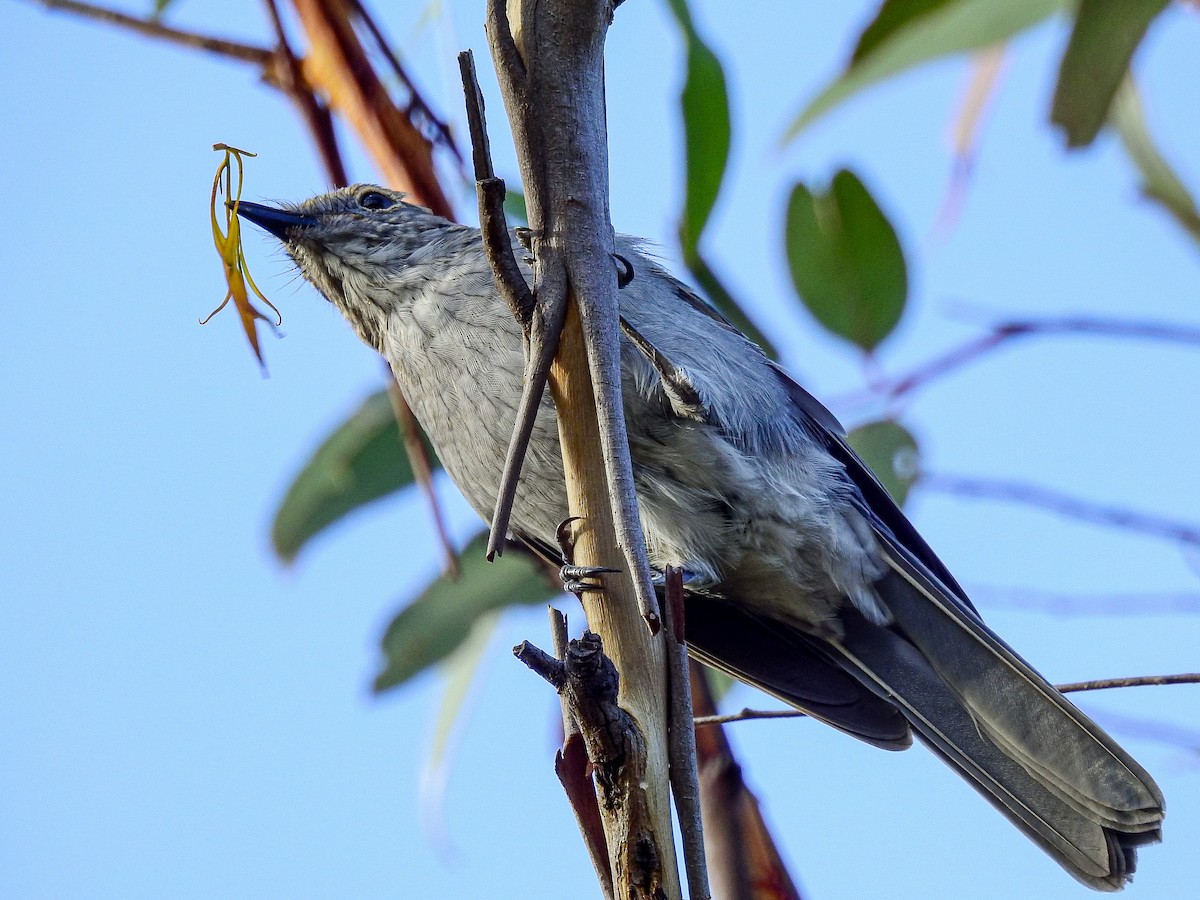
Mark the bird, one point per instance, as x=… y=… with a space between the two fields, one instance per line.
x=803 y=577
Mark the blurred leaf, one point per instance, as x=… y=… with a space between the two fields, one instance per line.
x=906 y=33
x=705 y=105
x=846 y=261
x=893 y=16
x=361 y=461
x=460 y=668
x=1159 y=181
x=431 y=627
x=715 y=290
x=1106 y=34
x=890 y=451
x=514 y=208
x=160 y=7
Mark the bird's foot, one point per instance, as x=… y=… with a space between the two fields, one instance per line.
x=577 y=579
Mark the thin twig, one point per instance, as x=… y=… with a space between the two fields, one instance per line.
x=747 y=715
x=1064 y=604
x=1002 y=333
x=1063 y=504
x=541 y=345
x=418 y=458
x=153 y=28
x=685 y=780
x=1100 y=684
x=745 y=863
x=416 y=101
x=1103 y=684
x=315 y=113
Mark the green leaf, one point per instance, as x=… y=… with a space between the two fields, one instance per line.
x=893 y=16
x=361 y=461
x=906 y=33
x=1159 y=181
x=1106 y=34
x=515 y=210
x=431 y=627
x=724 y=301
x=890 y=451
x=705 y=105
x=846 y=261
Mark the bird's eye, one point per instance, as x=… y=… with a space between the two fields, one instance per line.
x=375 y=200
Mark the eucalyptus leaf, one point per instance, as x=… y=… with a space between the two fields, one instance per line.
x=890 y=451
x=437 y=622
x=1159 y=181
x=361 y=461
x=846 y=260
x=704 y=103
x=705 y=106
x=1106 y=34
x=907 y=33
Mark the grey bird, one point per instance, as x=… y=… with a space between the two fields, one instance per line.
x=803 y=577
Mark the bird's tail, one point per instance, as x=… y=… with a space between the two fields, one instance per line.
x=1016 y=739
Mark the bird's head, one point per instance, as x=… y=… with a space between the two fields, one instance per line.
x=353 y=245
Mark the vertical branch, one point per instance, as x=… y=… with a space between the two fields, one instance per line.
x=571 y=766
x=685 y=780
x=550 y=66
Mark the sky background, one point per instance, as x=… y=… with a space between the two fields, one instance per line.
x=183 y=717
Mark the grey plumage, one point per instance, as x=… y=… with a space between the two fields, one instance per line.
x=805 y=579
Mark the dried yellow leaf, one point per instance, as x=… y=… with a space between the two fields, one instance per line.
x=228 y=242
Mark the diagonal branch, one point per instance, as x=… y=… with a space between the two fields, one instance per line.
x=260 y=56
x=1003 y=333
x=1063 y=504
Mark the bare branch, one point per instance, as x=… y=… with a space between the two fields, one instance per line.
x=1123 y=604
x=549 y=60
x=572 y=767
x=541 y=344
x=685 y=780
x=341 y=68
x=748 y=714
x=1101 y=684
x=416 y=102
x=1062 y=504
x=418 y=458
x=152 y=28
x=316 y=114
x=1003 y=333
x=744 y=860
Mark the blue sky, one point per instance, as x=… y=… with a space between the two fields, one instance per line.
x=185 y=718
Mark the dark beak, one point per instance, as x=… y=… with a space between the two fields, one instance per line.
x=278 y=222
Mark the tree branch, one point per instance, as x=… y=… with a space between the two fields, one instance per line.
x=685 y=780
x=549 y=60
x=1002 y=333
x=1063 y=504
x=152 y=28
x=744 y=860
x=1100 y=684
